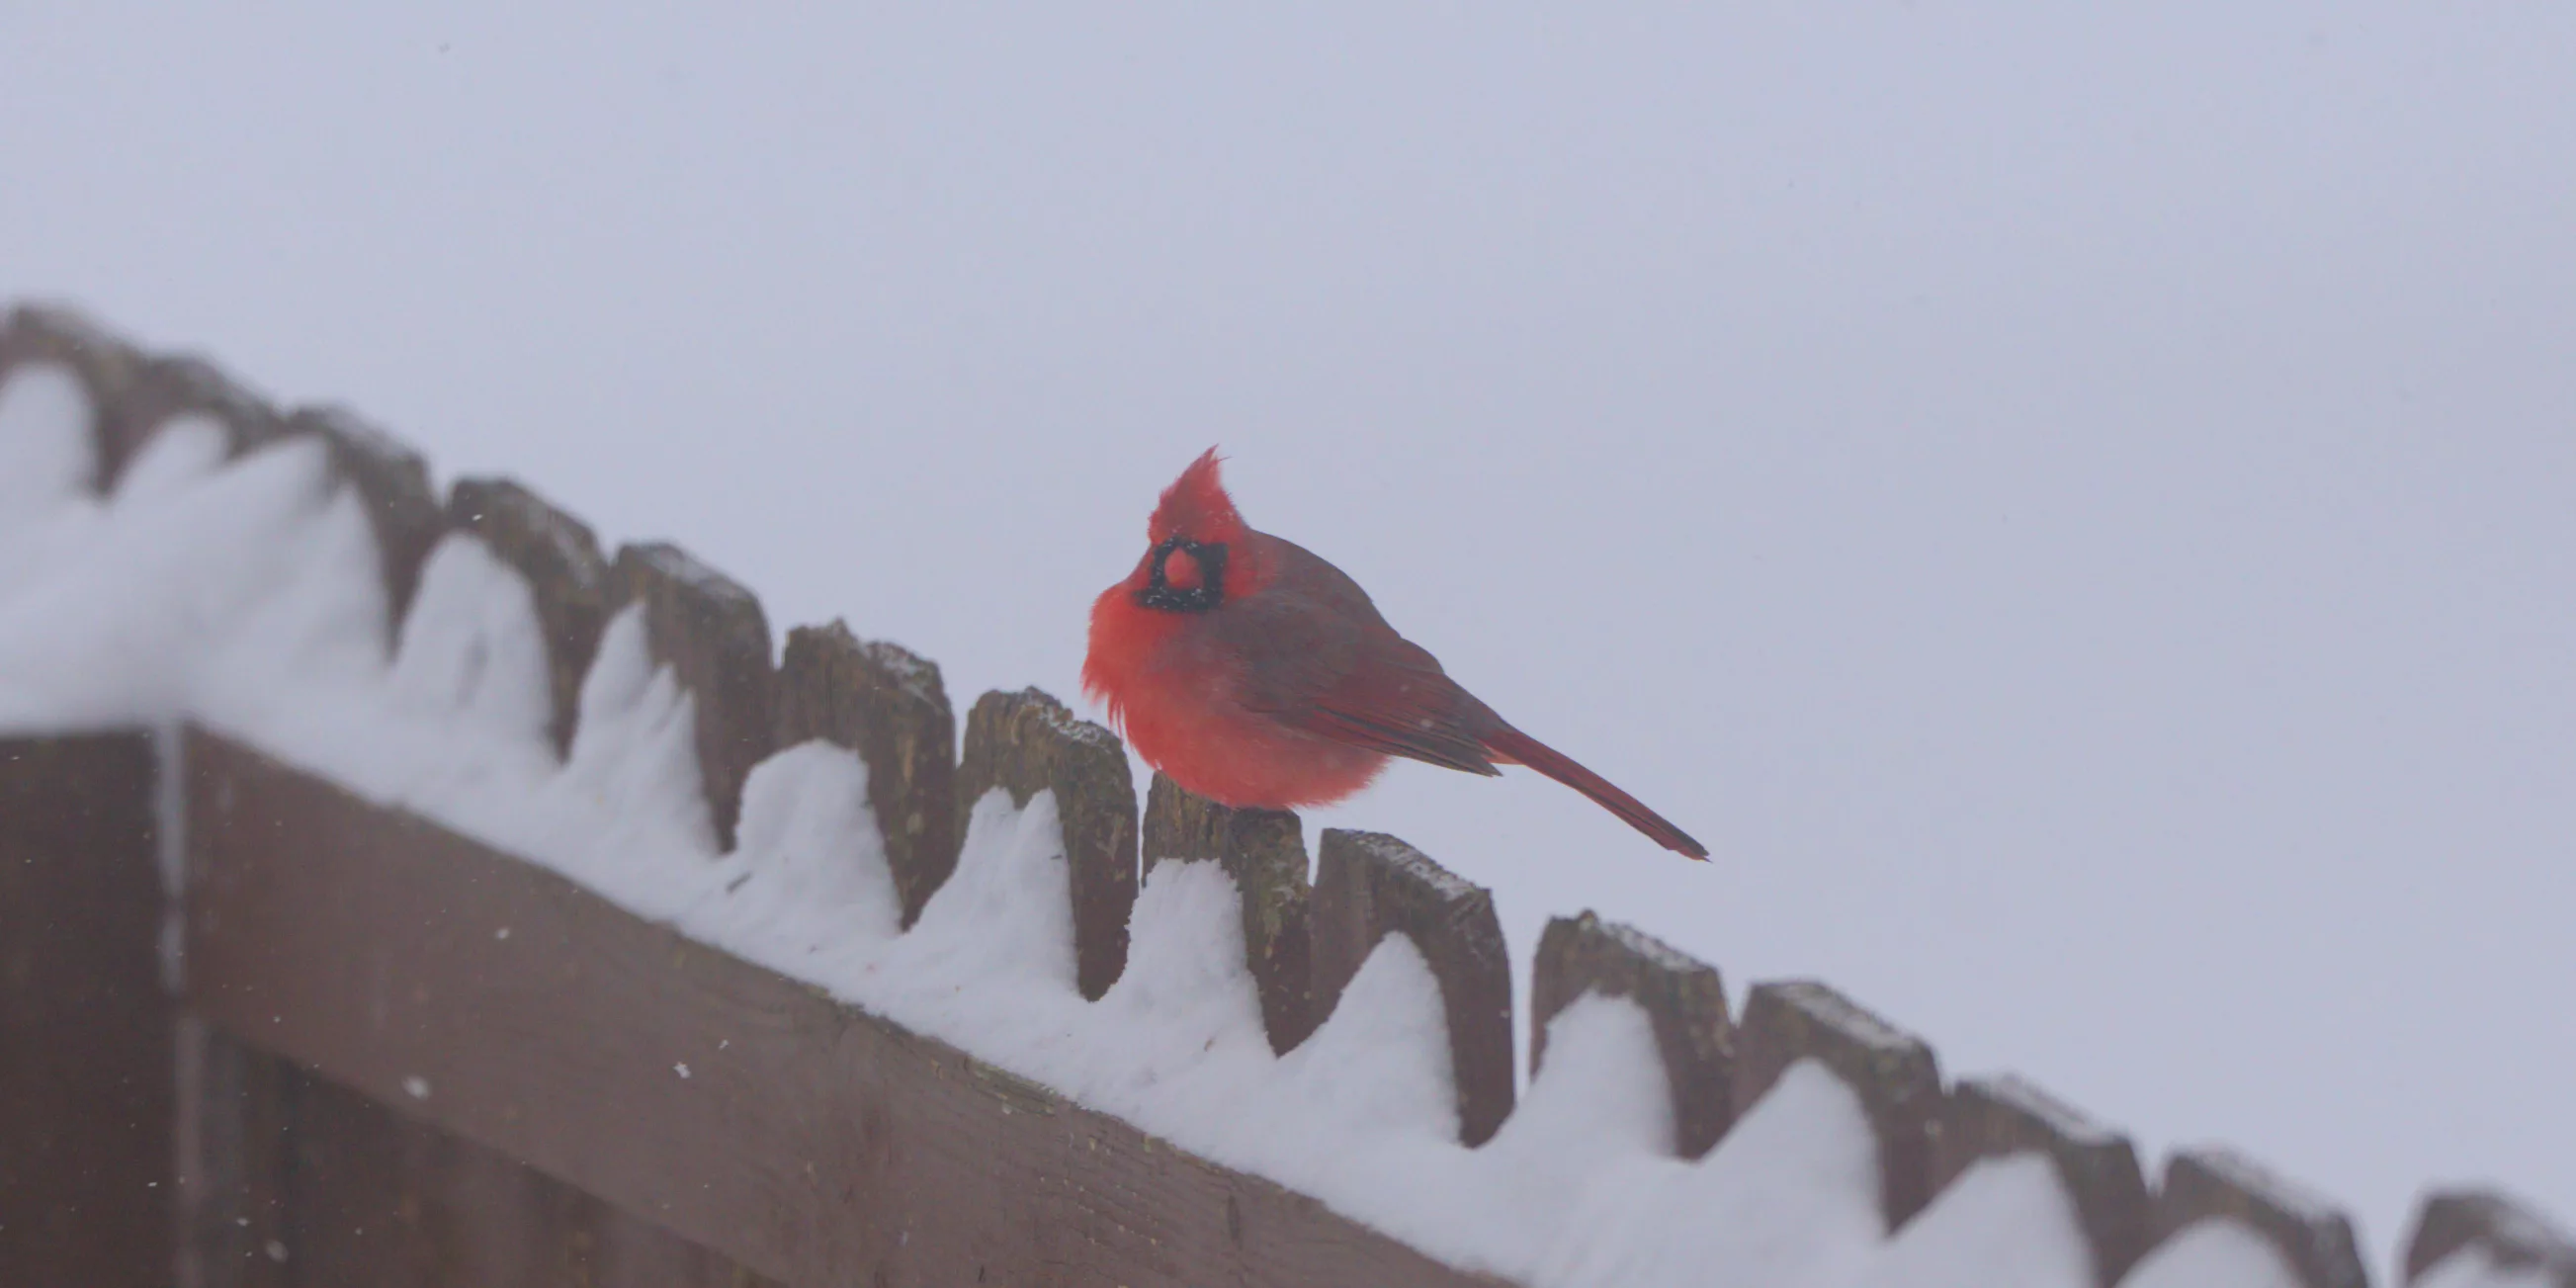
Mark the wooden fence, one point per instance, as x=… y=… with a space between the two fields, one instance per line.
x=255 y=1030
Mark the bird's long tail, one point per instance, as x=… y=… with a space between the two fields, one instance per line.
x=1509 y=745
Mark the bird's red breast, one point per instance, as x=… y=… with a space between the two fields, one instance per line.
x=1171 y=683
x=1258 y=675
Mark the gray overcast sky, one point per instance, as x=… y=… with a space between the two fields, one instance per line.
x=2072 y=502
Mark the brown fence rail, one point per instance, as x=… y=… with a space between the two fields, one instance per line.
x=308 y=1039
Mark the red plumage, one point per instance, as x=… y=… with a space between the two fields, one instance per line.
x=1258 y=675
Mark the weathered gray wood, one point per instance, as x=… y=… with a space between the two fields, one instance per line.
x=809 y=1142
x=86 y=1180
x=392 y=481
x=1995 y=1117
x=887 y=704
x=1368 y=885
x=168 y=386
x=1893 y=1072
x=1025 y=743
x=559 y=557
x=2313 y=1237
x=235 y=1153
x=375 y=1196
x=133 y=393
x=1265 y=852
x=1682 y=996
x=38 y=335
x=713 y=635
x=296 y=1180
x=2513 y=1235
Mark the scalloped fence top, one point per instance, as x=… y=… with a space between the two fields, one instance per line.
x=174 y=549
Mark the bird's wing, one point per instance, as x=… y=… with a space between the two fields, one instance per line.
x=1320 y=659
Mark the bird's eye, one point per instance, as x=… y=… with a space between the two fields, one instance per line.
x=1185 y=576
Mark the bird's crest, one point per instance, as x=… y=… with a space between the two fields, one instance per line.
x=1196 y=507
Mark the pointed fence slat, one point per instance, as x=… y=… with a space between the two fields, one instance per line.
x=1025 y=743
x=133 y=393
x=393 y=482
x=44 y=333
x=1683 y=997
x=1265 y=852
x=2514 y=1237
x=2316 y=1240
x=1995 y=1117
x=714 y=637
x=559 y=557
x=169 y=386
x=888 y=705
x=1893 y=1072
x=106 y=367
x=1368 y=885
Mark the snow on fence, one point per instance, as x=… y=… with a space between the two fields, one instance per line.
x=399 y=891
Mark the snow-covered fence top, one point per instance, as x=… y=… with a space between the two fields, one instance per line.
x=503 y=909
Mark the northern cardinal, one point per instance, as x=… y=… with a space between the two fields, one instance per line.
x=1258 y=675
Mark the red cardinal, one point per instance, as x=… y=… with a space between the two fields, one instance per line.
x=1258 y=675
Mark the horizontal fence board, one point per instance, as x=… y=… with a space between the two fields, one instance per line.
x=807 y=1141
x=326 y=1186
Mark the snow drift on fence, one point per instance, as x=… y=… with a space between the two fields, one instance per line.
x=245 y=593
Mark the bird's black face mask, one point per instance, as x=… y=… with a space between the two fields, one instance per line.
x=1185 y=576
